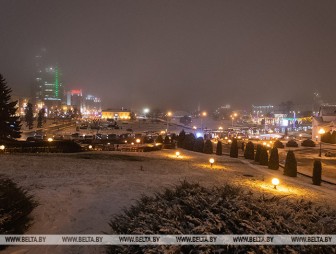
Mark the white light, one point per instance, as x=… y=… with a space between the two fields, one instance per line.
x=177 y=154
x=211 y=161
x=2 y=147
x=275 y=182
x=50 y=139
x=90 y=146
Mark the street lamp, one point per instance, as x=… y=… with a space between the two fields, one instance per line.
x=169 y=114
x=321 y=132
x=204 y=114
x=275 y=182
x=211 y=162
x=177 y=154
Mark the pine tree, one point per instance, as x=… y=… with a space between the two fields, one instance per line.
x=257 y=155
x=234 y=149
x=333 y=137
x=208 y=149
x=249 y=151
x=159 y=139
x=199 y=145
x=189 y=142
x=29 y=116
x=180 y=139
x=290 y=165
x=167 y=140
x=219 y=148
x=274 y=159
x=317 y=172
x=263 y=156
x=9 y=123
x=40 y=118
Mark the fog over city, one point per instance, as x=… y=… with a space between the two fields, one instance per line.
x=175 y=54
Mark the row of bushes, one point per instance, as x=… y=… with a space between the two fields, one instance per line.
x=329 y=137
x=272 y=162
x=190 y=142
x=293 y=143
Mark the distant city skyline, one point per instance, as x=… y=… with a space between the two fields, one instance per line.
x=176 y=54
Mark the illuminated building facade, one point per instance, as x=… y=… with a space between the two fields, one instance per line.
x=116 y=114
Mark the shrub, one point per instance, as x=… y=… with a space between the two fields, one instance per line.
x=199 y=145
x=180 y=139
x=192 y=209
x=308 y=143
x=274 y=159
x=263 y=157
x=166 y=140
x=208 y=147
x=327 y=137
x=290 y=165
x=219 y=148
x=234 y=149
x=292 y=143
x=317 y=172
x=257 y=155
x=278 y=144
x=15 y=208
x=189 y=142
x=159 y=139
x=249 y=151
x=333 y=137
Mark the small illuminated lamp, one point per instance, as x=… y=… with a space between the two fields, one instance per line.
x=212 y=161
x=204 y=113
x=50 y=139
x=220 y=128
x=2 y=147
x=108 y=144
x=132 y=143
x=125 y=141
x=226 y=138
x=264 y=143
x=275 y=182
x=194 y=127
x=177 y=154
x=235 y=114
x=239 y=137
x=268 y=145
x=321 y=131
x=169 y=113
x=230 y=140
x=137 y=140
x=90 y=146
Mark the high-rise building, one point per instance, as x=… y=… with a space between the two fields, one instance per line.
x=48 y=89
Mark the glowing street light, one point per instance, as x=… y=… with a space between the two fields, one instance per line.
x=321 y=132
x=275 y=182
x=2 y=147
x=177 y=154
x=169 y=114
x=212 y=161
x=90 y=146
x=50 y=139
x=204 y=114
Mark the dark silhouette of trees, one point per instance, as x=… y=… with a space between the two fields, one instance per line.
x=9 y=123
x=29 y=116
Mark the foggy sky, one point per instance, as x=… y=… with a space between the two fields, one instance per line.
x=175 y=54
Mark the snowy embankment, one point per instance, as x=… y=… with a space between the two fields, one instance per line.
x=78 y=193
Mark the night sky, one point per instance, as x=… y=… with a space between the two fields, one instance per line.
x=175 y=54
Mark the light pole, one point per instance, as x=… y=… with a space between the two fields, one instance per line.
x=169 y=114
x=204 y=114
x=321 y=132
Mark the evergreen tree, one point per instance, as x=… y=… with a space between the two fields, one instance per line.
x=249 y=151
x=257 y=155
x=274 y=159
x=333 y=137
x=189 y=142
x=199 y=145
x=29 y=116
x=167 y=140
x=208 y=149
x=263 y=156
x=159 y=139
x=234 y=149
x=219 y=148
x=40 y=118
x=317 y=172
x=180 y=139
x=9 y=123
x=326 y=137
x=290 y=165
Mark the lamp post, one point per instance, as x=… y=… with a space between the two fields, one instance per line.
x=169 y=114
x=321 y=132
x=204 y=114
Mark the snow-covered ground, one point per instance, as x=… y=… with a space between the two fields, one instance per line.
x=78 y=193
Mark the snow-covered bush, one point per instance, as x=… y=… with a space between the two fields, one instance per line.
x=193 y=209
